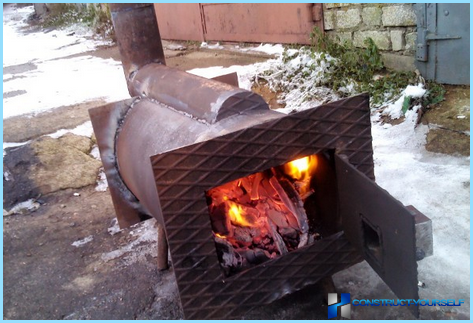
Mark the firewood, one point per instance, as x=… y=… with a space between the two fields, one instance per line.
x=278 y=217
x=228 y=257
x=220 y=221
x=254 y=194
x=292 y=201
x=255 y=256
x=278 y=240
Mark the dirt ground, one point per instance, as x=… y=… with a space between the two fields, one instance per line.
x=68 y=260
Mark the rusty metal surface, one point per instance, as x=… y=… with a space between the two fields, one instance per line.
x=183 y=175
x=152 y=128
x=105 y=122
x=163 y=249
x=242 y=22
x=259 y=22
x=380 y=228
x=230 y=78
x=137 y=35
x=202 y=98
x=187 y=27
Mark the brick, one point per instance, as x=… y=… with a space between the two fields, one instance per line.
x=411 y=39
x=380 y=38
x=348 y=18
x=398 y=62
x=329 y=23
x=399 y=16
x=372 y=16
x=397 y=40
x=346 y=36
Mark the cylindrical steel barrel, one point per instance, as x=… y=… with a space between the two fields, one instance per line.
x=201 y=98
x=151 y=128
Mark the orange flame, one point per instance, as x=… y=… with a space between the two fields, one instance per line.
x=237 y=215
x=220 y=236
x=300 y=169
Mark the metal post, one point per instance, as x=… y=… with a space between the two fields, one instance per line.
x=163 y=263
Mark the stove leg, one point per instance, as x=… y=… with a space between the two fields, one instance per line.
x=162 y=249
x=327 y=286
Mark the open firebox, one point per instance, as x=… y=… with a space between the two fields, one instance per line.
x=253 y=204
x=268 y=214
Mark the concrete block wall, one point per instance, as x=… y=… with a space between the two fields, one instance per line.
x=391 y=26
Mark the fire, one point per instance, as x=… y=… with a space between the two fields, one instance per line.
x=301 y=169
x=237 y=215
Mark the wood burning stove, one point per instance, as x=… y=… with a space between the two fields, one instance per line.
x=254 y=204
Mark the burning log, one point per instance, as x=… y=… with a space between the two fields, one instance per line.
x=229 y=258
x=293 y=202
x=279 y=242
x=255 y=256
x=220 y=221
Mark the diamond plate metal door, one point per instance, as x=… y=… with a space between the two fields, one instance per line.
x=380 y=228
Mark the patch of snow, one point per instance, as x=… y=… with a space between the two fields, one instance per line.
x=13 y=144
x=415 y=91
x=84 y=130
x=115 y=228
x=137 y=250
x=394 y=110
x=95 y=152
x=178 y=47
x=30 y=205
x=88 y=79
x=81 y=242
x=270 y=49
x=41 y=58
x=31 y=47
x=214 y=46
x=6 y=176
x=102 y=183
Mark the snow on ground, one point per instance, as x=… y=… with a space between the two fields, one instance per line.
x=269 y=49
x=84 y=130
x=13 y=144
x=39 y=73
x=81 y=242
x=139 y=248
x=214 y=46
x=30 y=205
x=394 y=110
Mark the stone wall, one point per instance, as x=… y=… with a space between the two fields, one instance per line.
x=391 y=26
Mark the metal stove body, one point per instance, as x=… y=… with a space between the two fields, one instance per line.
x=182 y=135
